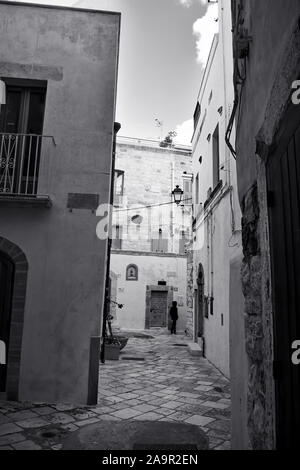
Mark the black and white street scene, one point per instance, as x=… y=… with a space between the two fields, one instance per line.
x=150 y=227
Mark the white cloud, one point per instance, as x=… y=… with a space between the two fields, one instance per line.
x=184 y=132
x=188 y=3
x=204 y=29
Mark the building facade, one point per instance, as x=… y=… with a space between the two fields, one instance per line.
x=59 y=69
x=266 y=39
x=217 y=217
x=150 y=233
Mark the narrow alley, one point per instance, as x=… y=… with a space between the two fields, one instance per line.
x=155 y=380
x=149 y=227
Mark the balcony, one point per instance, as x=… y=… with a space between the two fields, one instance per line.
x=20 y=162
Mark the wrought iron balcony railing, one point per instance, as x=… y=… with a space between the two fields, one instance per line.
x=20 y=158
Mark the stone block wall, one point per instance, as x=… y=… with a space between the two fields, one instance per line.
x=150 y=175
x=190 y=293
x=256 y=285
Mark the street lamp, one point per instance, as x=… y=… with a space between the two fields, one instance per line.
x=177 y=194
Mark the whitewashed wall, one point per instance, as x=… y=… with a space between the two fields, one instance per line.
x=217 y=237
x=151 y=269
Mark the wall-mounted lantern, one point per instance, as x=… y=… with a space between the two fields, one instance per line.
x=177 y=194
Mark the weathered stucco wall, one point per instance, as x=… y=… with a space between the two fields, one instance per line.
x=215 y=258
x=270 y=25
x=190 y=292
x=272 y=66
x=77 y=53
x=150 y=175
x=218 y=220
x=238 y=359
x=151 y=269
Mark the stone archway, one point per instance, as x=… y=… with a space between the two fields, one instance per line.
x=19 y=260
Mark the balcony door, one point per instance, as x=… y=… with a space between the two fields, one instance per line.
x=21 y=127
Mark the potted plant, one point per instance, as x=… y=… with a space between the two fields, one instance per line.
x=112 y=349
x=113 y=343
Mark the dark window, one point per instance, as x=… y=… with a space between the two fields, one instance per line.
x=216 y=157
x=132 y=273
x=116 y=243
x=118 y=187
x=206 y=304
x=197 y=189
x=21 y=128
x=197 y=115
x=188 y=192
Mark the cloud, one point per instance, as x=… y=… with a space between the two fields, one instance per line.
x=188 y=3
x=184 y=132
x=204 y=29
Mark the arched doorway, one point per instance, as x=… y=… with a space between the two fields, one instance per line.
x=199 y=317
x=13 y=280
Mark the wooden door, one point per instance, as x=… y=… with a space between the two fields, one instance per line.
x=283 y=181
x=6 y=289
x=158 y=310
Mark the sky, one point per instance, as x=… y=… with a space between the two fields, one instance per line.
x=164 y=45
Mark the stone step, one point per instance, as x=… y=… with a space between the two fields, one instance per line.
x=194 y=349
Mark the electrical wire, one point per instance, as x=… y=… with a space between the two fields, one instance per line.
x=149 y=206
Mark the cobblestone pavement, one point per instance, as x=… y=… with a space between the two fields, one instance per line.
x=155 y=379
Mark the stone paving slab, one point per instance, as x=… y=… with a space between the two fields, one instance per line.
x=183 y=388
x=169 y=386
x=9 y=428
x=26 y=445
x=138 y=434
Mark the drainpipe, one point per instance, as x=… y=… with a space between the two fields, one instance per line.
x=208 y=256
x=117 y=127
x=172 y=211
x=211 y=265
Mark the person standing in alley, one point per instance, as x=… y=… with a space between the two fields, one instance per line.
x=174 y=317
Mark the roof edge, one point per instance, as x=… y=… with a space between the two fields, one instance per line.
x=59 y=7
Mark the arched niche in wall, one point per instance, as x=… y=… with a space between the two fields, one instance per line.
x=132 y=272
